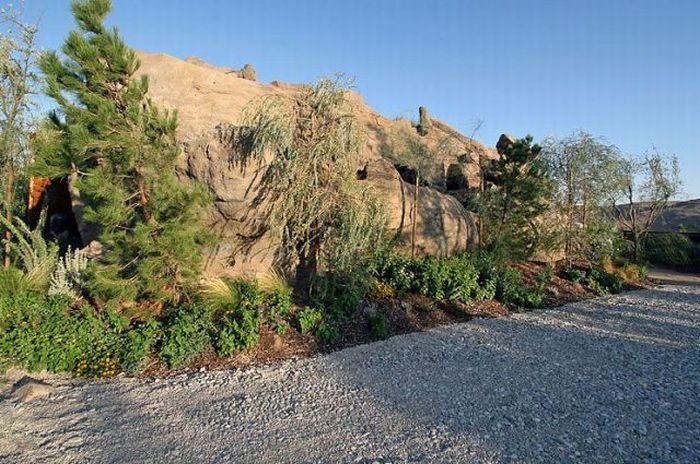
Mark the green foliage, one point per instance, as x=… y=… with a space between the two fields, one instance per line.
x=517 y=194
x=339 y=294
x=672 y=249
x=454 y=278
x=33 y=258
x=309 y=319
x=575 y=275
x=308 y=193
x=237 y=330
x=277 y=301
x=118 y=150
x=602 y=282
x=379 y=326
x=234 y=306
x=138 y=344
x=186 y=335
x=328 y=332
x=512 y=290
x=467 y=277
x=396 y=270
x=585 y=171
x=45 y=333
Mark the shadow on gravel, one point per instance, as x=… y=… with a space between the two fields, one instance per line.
x=607 y=380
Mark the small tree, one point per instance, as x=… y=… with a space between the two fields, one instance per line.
x=647 y=185
x=407 y=148
x=517 y=193
x=308 y=194
x=584 y=170
x=17 y=85
x=118 y=151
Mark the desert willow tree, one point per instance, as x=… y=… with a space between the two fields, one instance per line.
x=306 y=146
x=646 y=186
x=585 y=171
x=17 y=85
x=118 y=151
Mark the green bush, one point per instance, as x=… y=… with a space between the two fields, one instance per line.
x=339 y=294
x=45 y=333
x=138 y=343
x=277 y=301
x=379 y=326
x=328 y=331
x=575 y=275
x=309 y=319
x=278 y=311
x=602 y=282
x=239 y=329
x=512 y=289
x=671 y=249
x=234 y=307
x=396 y=270
x=186 y=335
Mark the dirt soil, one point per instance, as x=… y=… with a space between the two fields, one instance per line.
x=412 y=313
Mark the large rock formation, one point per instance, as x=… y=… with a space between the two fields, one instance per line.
x=210 y=100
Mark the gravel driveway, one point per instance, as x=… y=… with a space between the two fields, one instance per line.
x=609 y=380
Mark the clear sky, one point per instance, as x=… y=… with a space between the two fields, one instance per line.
x=626 y=70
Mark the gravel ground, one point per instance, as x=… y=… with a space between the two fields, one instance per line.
x=609 y=380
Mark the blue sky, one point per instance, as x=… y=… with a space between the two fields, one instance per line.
x=626 y=70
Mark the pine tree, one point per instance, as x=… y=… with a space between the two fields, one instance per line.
x=517 y=194
x=118 y=151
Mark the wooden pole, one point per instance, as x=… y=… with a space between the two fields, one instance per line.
x=415 y=214
x=9 y=194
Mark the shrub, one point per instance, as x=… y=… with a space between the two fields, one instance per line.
x=34 y=258
x=277 y=300
x=328 y=331
x=339 y=294
x=575 y=275
x=395 y=270
x=379 y=326
x=602 y=282
x=186 y=335
x=309 y=319
x=381 y=289
x=632 y=272
x=69 y=277
x=44 y=333
x=138 y=344
x=512 y=290
x=670 y=249
x=234 y=306
x=238 y=330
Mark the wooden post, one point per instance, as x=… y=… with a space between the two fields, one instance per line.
x=9 y=197
x=415 y=217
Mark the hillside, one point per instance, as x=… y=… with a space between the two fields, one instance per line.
x=210 y=100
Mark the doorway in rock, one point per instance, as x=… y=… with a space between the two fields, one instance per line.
x=53 y=196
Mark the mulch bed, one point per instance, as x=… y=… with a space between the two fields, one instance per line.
x=412 y=313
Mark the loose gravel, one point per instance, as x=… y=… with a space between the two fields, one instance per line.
x=609 y=380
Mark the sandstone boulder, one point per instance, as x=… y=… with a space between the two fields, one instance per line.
x=210 y=100
x=248 y=72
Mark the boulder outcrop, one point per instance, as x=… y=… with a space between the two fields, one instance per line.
x=210 y=101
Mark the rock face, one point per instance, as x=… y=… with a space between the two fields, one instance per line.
x=210 y=100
